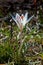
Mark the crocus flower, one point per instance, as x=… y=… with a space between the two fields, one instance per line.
x=22 y=20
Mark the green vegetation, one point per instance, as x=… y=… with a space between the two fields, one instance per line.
x=14 y=50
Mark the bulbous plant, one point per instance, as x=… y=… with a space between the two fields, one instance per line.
x=14 y=52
